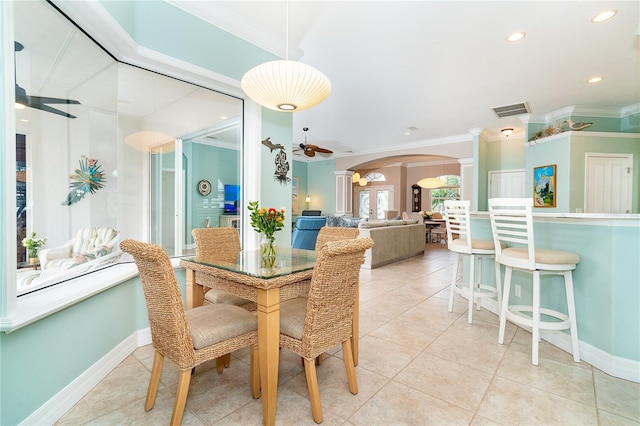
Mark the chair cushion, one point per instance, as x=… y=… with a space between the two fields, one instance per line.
x=475 y=244
x=292 y=314
x=215 y=323
x=545 y=256
x=219 y=296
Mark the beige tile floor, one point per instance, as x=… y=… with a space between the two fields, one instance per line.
x=419 y=365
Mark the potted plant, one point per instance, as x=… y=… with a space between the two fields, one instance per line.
x=32 y=244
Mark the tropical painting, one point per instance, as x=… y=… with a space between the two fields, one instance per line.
x=544 y=186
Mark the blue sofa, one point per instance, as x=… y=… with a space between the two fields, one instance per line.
x=306 y=231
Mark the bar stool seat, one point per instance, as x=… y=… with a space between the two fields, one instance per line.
x=512 y=222
x=458 y=224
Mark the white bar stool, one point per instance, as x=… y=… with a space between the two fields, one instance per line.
x=458 y=222
x=512 y=223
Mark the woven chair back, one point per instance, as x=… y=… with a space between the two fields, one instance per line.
x=168 y=322
x=217 y=243
x=331 y=297
x=328 y=233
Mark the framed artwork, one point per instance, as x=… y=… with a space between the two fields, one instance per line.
x=544 y=186
x=294 y=195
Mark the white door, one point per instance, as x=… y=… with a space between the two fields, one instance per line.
x=374 y=201
x=608 y=183
x=506 y=184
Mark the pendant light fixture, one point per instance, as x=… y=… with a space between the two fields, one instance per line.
x=431 y=183
x=286 y=85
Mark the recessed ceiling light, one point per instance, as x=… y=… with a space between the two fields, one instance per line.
x=24 y=120
x=223 y=117
x=407 y=133
x=603 y=16
x=595 y=79
x=516 y=37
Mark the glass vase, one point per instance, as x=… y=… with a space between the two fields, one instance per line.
x=32 y=254
x=268 y=250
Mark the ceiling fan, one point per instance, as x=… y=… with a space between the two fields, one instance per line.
x=310 y=150
x=39 y=102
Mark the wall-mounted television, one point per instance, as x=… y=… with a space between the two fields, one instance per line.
x=231 y=198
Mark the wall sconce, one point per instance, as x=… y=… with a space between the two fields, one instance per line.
x=507 y=132
x=431 y=183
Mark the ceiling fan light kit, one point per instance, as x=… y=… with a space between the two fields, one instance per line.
x=431 y=183
x=286 y=85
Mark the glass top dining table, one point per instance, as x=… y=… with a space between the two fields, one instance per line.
x=250 y=262
x=265 y=283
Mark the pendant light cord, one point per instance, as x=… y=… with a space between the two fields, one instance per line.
x=286 y=33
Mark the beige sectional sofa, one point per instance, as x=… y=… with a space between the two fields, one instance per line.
x=393 y=240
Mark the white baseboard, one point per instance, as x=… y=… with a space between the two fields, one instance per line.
x=52 y=410
x=615 y=366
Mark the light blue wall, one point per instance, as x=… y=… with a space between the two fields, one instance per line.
x=278 y=126
x=322 y=185
x=317 y=179
x=300 y=172
x=606 y=288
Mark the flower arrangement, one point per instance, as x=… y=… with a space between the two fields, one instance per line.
x=267 y=222
x=32 y=244
x=426 y=214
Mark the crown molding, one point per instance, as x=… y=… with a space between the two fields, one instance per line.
x=582 y=111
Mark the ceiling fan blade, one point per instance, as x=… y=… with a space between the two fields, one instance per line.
x=45 y=100
x=309 y=153
x=52 y=110
x=323 y=150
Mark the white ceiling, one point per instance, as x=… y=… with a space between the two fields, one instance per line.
x=440 y=66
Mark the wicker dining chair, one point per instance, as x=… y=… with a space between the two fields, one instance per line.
x=187 y=338
x=220 y=244
x=328 y=233
x=311 y=325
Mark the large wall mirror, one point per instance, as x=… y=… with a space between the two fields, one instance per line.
x=107 y=151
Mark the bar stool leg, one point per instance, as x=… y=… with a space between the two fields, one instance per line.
x=498 y=286
x=452 y=291
x=535 y=318
x=571 y=309
x=479 y=274
x=472 y=284
x=505 y=303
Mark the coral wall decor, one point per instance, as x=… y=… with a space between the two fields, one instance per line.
x=88 y=178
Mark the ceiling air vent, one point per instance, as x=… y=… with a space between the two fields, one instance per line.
x=509 y=110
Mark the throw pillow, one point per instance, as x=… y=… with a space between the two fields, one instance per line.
x=333 y=221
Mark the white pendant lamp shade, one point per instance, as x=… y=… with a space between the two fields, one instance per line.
x=286 y=85
x=431 y=183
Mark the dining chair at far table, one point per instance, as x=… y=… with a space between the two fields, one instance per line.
x=187 y=338
x=460 y=241
x=512 y=226
x=311 y=325
x=220 y=244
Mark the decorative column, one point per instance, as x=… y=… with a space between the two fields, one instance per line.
x=344 y=192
